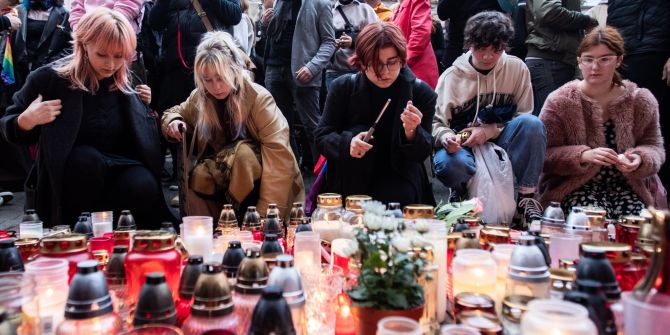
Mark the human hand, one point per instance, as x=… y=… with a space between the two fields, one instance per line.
x=477 y=136
x=344 y=41
x=14 y=21
x=452 y=143
x=145 y=93
x=411 y=119
x=303 y=75
x=38 y=113
x=358 y=147
x=600 y=156
x=628 y=162
x=175 y=130
x=267 y=16
x=666 y=72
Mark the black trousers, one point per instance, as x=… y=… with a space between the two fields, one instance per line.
x=92 y=183
x=645 y=70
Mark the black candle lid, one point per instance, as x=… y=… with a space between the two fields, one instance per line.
x=88 y=296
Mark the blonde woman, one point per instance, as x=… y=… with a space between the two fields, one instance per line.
x=98 y=142
x=241 y=147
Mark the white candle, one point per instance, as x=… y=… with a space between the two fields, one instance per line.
x=328 y=230
x=101 y=223
x=198 y=237
x=438 y=238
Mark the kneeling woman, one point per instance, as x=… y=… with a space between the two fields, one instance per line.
x=240 y=138
x=389 y=167
x=99 y=145
x=603 y=134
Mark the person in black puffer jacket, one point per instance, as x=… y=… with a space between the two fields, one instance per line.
x=645 y=27
x=182 y=29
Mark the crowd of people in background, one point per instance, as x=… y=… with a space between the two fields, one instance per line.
x=249 y=97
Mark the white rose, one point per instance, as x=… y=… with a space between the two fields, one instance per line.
x=389 y=224
x=401 y=244
x=372 y=222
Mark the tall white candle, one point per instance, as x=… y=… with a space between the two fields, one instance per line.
x=438 y=238
x=198 y=237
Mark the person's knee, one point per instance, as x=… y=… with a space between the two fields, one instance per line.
x=531 y=126
x=458 y=166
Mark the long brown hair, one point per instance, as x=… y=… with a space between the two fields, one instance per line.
x=374 y=37
x=609 y=37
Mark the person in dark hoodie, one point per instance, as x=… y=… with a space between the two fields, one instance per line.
x=488 y=94
x=389 y=166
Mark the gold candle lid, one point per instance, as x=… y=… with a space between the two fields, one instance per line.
x=615 y=252
x=153 y=240
x=329 y=200
x=63 y=244
x=123 y=235
x=634 y=220
x=354 y=201
x=561 y=280
x=567 y=263
x=102 y=256
x=418 y=211
x=452 y=239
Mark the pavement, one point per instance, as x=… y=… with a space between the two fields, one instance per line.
x=11 y=213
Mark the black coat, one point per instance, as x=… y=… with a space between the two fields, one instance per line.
x=56 y=139
x=347 y=113
x=54 y=43
x=173 y=16
x=644 y=24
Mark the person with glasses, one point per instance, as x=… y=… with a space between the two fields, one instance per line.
x=604 y=143
x=487 y=94
x=388 y=163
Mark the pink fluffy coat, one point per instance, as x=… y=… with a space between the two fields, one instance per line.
x=574 y=125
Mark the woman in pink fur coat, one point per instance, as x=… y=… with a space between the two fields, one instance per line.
x=603 y=134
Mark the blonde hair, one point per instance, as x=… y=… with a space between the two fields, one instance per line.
x=108 y=30
x=217 y=52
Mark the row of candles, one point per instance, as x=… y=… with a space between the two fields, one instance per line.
x=475 y=296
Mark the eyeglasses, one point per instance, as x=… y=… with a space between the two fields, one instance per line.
x=392 y=65
x=601 y=61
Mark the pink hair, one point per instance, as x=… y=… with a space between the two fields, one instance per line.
x=103 y=28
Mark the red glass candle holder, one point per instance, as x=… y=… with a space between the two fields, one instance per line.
x=29 y=248
x=71 y=247
x=152 y=251
x=101 y=243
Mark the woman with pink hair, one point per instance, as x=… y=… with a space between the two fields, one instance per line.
x=99 y=145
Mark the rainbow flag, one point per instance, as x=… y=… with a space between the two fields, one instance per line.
x=8 y=65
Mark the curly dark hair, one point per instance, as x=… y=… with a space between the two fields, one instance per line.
x=488 y=28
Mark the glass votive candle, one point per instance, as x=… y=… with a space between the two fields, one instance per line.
x=322 y=287
x=307 y=251
x=155 y=329
x=564 y=246
x=30 y=229
x=458 y=330
x=199 y=236
x=646 y=315
x=557 y=317
x=466 y=301
x=29 y=248
x=102 y=223
x=44 y=313
x=502 y=253
x=472 y=272
x=101 y=243
x=398 y=325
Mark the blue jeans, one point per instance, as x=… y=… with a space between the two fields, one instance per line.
x=546 y=76
x=525 y=141
x=279 y=81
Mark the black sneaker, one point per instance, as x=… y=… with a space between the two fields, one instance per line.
x=527 y=211
x=6 y=197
